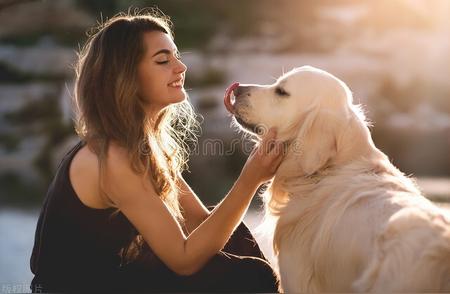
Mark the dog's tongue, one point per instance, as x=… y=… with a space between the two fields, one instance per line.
x=227 y=98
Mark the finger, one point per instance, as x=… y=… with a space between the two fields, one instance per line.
x=277 y=149
x=278 y=156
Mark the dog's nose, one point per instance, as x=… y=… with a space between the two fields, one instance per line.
x=242 y=90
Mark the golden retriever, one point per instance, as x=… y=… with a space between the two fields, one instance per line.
x=347 y=220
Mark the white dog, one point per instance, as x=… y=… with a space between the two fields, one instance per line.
x=346 y=218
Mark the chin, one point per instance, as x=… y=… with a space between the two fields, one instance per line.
x=252 y=128
x=179 y=97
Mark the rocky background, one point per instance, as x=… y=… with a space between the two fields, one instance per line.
x=394 y=55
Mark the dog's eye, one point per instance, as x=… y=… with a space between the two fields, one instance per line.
x=281 y=92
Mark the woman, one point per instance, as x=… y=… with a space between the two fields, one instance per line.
x=118 y=216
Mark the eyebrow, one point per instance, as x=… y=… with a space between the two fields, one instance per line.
x=165 y=51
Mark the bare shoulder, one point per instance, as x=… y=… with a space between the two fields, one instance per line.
x=84 y=177
x=117 y=165
x=121 y=182
x=119 y=179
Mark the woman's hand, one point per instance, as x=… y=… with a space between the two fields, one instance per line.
x=264 y=160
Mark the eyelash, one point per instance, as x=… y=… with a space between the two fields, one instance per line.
x=178 y=57
x=280 y=91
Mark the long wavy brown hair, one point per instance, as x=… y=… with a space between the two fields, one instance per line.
x=108 y=107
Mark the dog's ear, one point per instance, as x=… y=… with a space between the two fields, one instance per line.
x=316 y=143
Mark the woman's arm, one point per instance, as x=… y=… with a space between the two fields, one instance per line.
x=194 y=212
x=138 y=200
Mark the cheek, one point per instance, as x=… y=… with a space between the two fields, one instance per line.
x=151 y=79
x=273 y=112
x=285 y=108
x=263 y=107
x=286 y=111
x=150 y=88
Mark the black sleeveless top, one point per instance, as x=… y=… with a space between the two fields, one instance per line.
x=77 y=247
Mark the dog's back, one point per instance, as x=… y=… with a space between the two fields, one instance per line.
x=366 y=232
x=412 y=254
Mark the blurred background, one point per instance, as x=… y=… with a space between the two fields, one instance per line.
x=393 y=54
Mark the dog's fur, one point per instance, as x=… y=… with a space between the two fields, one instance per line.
x=346 y=218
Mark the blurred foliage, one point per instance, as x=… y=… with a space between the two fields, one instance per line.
x=41 y=117
x=197 y=21
x=10 y=141
x=58 y=132
x=10 y=75
x=66 y=37
x=35 y=112
x=106 y=7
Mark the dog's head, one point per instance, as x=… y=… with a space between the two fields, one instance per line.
x=307 y=106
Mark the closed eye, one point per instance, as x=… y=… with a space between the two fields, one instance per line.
x=281 y=92
x=168 y=54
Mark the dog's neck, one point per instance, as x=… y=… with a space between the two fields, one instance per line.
x=354 y=144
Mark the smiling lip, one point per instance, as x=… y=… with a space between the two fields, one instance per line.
x=227 y=97
x=176 y=84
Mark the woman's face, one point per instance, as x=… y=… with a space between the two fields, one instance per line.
x=160 y=73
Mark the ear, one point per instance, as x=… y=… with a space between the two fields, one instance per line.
x=316 y=143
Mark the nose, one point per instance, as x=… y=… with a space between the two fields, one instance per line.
x=242 y=90
x=180 y=67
